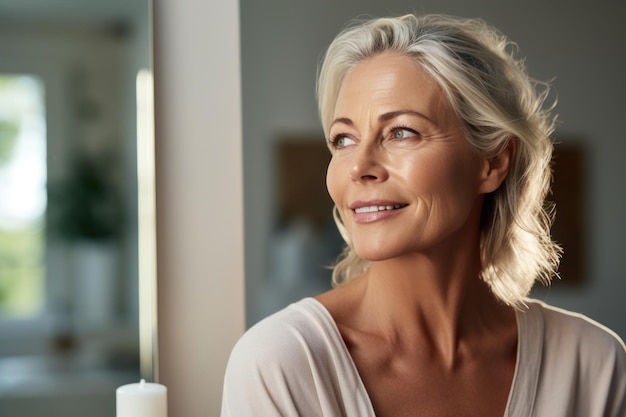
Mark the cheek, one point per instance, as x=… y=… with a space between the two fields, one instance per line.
x=332 y=181
x=458 y=183
x=443 y=179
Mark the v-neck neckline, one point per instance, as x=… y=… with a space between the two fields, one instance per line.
x=523 y=390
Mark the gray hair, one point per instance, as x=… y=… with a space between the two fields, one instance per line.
x=490 y=91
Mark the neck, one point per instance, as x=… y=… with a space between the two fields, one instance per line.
x=444 y=305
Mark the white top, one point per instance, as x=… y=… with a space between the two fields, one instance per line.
x=295 y=363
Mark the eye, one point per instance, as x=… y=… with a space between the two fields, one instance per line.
x=403 y=133
x=341 y=141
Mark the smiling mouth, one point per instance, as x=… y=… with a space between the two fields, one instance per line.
x=371 y=209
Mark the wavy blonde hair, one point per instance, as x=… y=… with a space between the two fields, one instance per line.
x=490 y=91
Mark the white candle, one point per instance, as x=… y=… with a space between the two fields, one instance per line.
x=144 y=399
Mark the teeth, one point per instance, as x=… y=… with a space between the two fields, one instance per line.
x=378 y=208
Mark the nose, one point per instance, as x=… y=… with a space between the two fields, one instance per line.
x=367 y=165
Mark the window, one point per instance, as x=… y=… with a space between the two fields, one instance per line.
x=22 y=195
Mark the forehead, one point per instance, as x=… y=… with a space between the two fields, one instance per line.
x=388 y=80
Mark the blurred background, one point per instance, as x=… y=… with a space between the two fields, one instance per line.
x=577 y=45
x=69 y=73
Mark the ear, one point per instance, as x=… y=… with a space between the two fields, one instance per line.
x=496 y=169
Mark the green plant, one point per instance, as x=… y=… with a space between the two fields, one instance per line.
x=87 y=204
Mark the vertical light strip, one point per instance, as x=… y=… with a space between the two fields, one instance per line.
x=147 y=227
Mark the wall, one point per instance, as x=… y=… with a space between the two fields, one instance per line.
x=199 y=199
x=581 y=47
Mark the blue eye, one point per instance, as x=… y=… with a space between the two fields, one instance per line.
x=341 y=141
x=402 y=133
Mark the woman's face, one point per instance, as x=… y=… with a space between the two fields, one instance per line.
x=402 y=175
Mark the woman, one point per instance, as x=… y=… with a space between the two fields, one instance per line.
x=440 y=165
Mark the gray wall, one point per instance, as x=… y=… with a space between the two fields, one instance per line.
x=579 y=45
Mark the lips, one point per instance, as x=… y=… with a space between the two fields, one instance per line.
x=375 y=208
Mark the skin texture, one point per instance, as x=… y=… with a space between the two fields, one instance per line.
x=426 y=334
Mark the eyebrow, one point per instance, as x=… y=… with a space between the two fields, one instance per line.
x=385 y=117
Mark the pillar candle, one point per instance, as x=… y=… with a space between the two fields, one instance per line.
x=144 y=399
